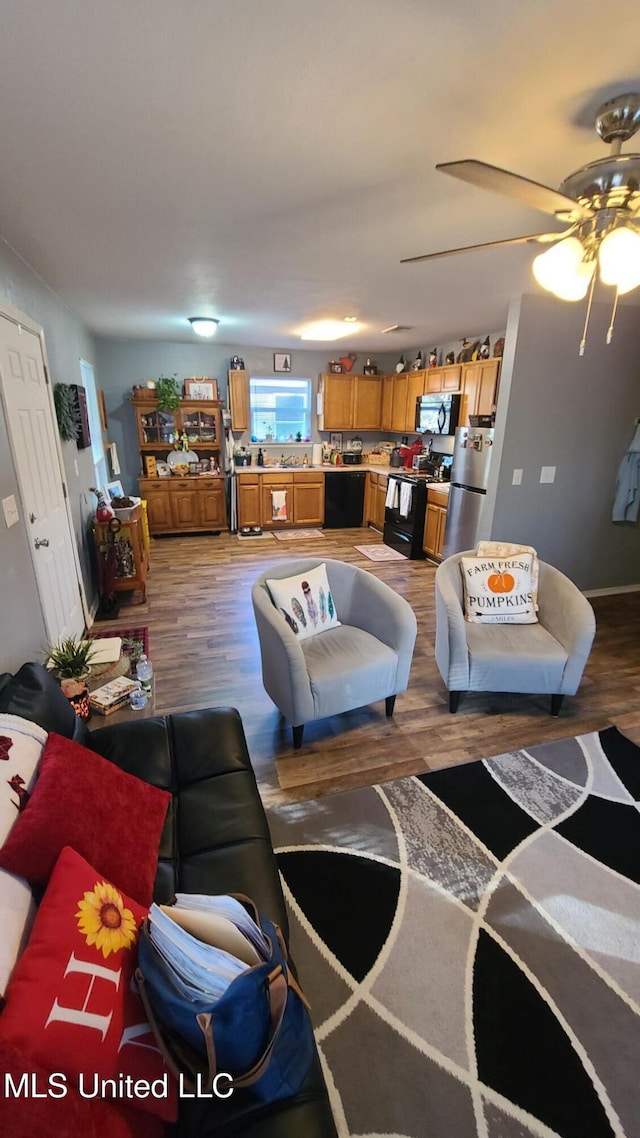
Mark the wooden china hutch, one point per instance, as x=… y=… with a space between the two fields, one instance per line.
x=190 y=502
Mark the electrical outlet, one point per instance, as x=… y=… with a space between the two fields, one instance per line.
x=10 y=511
x=76 y=467
x=517 y=477
x=547 y=474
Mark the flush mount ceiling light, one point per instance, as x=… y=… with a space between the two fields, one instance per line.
x=204 y=325
x=600 y=203
x=330 y=329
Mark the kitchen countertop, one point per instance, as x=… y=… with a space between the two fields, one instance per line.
x=329 y=468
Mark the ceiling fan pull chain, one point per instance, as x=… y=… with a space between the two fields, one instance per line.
x=583 y=342
x=613 y=317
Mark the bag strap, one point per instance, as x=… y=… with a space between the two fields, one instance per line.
x=178 y=1063
x=277 y=988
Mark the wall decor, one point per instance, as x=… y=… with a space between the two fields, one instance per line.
x=114 y=490
x=335 y=366
x=83 y=438
x=102 y=407
x=282 y=361
x=201 y=387
x=335 y=440
x=66 y=412
x=150 y=467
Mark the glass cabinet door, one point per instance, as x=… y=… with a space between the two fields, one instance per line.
x=199 y=426
x=158 y=427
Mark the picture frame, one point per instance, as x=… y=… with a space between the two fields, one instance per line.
x=201 y=387
x=335 y=440
x=282 y=361
x=370 y=369
x=114 y=490
x=102 y=407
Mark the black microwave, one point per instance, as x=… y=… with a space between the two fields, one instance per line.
x=437 y=414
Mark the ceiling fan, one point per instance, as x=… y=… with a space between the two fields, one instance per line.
x=599 y=204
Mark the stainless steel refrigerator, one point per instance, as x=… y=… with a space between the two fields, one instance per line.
x=469 y=478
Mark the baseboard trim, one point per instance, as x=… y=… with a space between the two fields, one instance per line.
x=611 y=592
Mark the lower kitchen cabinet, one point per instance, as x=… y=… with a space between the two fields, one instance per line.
x=308 y=499
x=185 y=505
x=249 y=512
x=374 y=499
x=435 y=523
x=304 y=491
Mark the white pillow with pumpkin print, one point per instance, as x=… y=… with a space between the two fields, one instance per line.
x=498 y=590
x=510 y=549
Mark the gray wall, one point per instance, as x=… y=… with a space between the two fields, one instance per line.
x=23 y=633
x=577 y=414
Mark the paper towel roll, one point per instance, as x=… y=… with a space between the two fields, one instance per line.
x=316 y=454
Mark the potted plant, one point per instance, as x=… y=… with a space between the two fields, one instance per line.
x=168 y=393
x=70 y=662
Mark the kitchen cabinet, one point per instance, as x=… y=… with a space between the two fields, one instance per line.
x=480 y=388
x=399 y=405
x=381 y=494
x=386 y=405
x=448 y=378
x=308 y=498
x=374 y=499
x=350 y=402
x=132 y=556
x=239 y=403
x=249 y=512
x=178 y=504
x=415 y=390
x=435 y=523
x=275 y=482
x=188 y=505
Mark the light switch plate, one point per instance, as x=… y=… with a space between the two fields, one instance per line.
x=517 y=477
x=10 y=511
x=547 y=474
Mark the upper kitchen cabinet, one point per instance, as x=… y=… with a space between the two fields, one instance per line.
x=239 y=400
x=386 y=406
x=350 y=402
x=480 y=388
x=447 y=378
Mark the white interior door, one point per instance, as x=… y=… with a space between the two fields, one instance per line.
x=32 y=434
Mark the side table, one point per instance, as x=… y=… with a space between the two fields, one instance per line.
x=125 y=713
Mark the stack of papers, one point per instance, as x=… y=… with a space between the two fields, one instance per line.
x=205 y=942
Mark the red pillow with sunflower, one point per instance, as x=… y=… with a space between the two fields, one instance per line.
x=72 y=1005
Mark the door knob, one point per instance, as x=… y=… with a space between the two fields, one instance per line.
x=38 y=542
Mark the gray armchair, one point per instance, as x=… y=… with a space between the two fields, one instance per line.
x=366 y=659
x=547 y=658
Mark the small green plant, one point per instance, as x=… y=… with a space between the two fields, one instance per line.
x=168 y=393
x=133 y=648
x=67 y=412
x=70 y=658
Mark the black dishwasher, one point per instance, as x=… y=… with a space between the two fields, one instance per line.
x=343 y=499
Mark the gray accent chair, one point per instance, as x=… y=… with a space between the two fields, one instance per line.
x=547 y=658
x=366 y=659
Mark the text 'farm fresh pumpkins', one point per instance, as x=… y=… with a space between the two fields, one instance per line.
x=501 y=582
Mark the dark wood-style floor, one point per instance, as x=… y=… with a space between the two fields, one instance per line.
x=204 y=648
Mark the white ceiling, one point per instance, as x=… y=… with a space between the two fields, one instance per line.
x=270 y=161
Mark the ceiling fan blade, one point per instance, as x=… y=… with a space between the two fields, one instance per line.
x=514 y=186
x=540 y=238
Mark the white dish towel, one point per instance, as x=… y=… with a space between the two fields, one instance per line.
x=279 y=505
x=391 y=500
x=406 y=494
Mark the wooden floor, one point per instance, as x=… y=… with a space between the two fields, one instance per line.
x=204 y=648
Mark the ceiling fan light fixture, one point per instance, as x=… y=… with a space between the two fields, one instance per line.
x=204 y=325
x=619 y=259
x=563 y=270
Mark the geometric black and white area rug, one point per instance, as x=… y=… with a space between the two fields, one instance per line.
x=469 y=941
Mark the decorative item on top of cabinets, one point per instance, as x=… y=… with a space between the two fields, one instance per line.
x=475 y=351
x=433 y=357
x=498 y=347
x=485 y=349
x=462 y=354
x=236 y=364
x=167 y=393
x=370 y=368
x=201 y=387
x=348 y=361
x=335 y=367
x=400 y=366
x=417 y=364
x=450 y=358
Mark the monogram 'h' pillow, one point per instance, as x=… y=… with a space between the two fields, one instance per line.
x=71 y=1004
x=305 y=602
x=498 y=590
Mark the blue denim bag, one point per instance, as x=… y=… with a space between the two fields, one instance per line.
x=258 y=1031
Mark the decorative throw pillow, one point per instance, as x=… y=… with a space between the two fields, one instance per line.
x=511 y=549
x=21 y=744
x=305 y=601
x=72 y=1005
x=81 y=800
x=60 y=1110
x=497 y=590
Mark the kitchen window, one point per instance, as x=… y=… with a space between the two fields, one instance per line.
x=280 y=409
